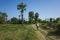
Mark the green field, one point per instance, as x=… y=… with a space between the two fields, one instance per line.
x=17 y=32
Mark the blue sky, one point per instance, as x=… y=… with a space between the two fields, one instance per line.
x=45 y=8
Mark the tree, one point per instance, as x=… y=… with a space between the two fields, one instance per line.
x=21 y=7
x=50 y=19
x=31 y=16
x=3 y=17
x=14 y=20
x=36 y=17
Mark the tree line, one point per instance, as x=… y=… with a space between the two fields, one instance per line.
x=32 y=17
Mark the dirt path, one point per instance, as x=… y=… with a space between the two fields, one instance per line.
x=39 y=34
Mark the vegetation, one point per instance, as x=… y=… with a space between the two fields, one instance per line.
x=36 y=17
x=15 y=31
x=31 y=17
x=21 y=7
x=3 y=17
x=14 y=20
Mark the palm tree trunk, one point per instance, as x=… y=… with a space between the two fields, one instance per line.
x=22 y=16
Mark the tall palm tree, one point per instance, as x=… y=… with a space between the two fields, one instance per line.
x=21 y=7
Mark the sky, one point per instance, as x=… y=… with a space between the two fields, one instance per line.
x=45 y=8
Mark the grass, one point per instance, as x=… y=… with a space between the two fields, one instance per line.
x=17 y=32
x=9 y=27
x=7 y=38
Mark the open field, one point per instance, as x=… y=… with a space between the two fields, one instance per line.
x=16 y=32
x=26 y=32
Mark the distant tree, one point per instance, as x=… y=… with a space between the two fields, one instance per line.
x=21 y=7
x=14 y=20
x=51 y=19
x=31 y=16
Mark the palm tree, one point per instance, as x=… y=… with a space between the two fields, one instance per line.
x=21 y=7
x=36 y=17
x=31 y=16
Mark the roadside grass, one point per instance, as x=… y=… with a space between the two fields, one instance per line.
x=17 y=32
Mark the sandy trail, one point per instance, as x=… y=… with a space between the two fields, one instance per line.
x=39 y=34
